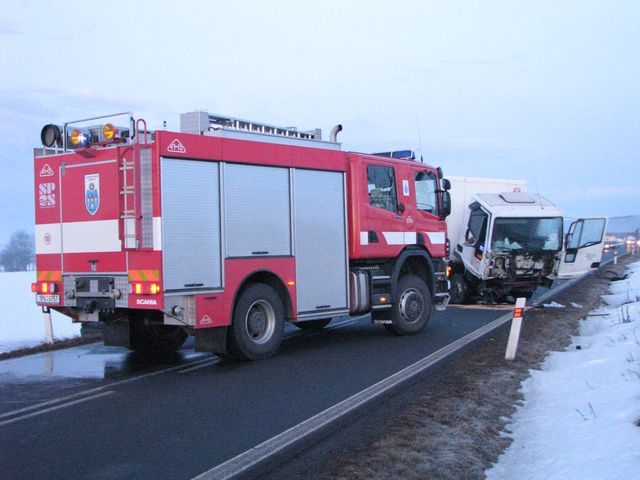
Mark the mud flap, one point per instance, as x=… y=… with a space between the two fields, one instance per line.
x=212 y=340
x=117 y=334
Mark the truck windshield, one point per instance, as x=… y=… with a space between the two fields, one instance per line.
x=529 y=234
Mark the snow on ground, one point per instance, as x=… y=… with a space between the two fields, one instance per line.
x=580 y=410
x=21 y=323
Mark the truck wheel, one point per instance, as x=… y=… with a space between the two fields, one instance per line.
x=313 y=325
x=459 y=290
x=153 y=339
x=412 y=311
x=258 y=323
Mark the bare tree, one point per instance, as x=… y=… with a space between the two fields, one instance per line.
x=18 y=255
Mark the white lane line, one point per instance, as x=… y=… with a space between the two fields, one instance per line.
x=480 y=307
x=202 y=365
x=252 y=457
x=244 y=462
x=101 y=388
x=51 y=409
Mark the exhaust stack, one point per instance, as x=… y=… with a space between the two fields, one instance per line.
x=333 y=136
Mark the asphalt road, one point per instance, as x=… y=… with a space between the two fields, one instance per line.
x=102 y=412
x=97 y=412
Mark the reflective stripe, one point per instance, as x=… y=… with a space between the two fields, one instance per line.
x=408 y=238
x=49 y=276
x=144 y=275
x=78 y=237
x=364 y=238
x=394 y=238
x=436 y=238
x=400 y=238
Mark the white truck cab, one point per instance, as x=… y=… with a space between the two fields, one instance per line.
x=509 y=243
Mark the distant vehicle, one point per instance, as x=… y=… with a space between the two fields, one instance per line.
x=506 y=242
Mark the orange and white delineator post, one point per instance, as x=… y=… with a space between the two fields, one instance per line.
x=516 y=325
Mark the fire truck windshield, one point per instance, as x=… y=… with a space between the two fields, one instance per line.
x=528 y=234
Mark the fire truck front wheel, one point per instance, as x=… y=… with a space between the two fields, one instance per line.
x=258 y=323
x=412 y=311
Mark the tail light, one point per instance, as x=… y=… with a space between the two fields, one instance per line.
x=44 y=287
x=145 y=288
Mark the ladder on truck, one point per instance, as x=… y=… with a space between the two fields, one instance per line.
x=129 y=178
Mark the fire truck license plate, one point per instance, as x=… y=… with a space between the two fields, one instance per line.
x=47 y=298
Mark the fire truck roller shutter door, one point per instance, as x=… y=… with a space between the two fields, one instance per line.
x=190 y=224
x=257 y=213
x=321 y=269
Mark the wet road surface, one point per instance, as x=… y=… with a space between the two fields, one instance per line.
x=104 y=412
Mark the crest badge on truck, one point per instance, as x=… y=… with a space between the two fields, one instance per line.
x=92 y=193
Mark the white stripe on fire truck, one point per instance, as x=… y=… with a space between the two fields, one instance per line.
x=436 y=238
x=157 y=233
x=86 y=237
x=405 y=238
x=400 y=238
x=364 y=238
x=78 y=237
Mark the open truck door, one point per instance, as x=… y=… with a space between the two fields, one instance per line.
x=583 y=247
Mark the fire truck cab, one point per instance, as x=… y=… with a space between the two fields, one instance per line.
x=228 y=229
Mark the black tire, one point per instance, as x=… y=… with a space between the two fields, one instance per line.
x=313 y=325
x=459 y=290
x=411 y=313
x=258 y=323
x=155 y=338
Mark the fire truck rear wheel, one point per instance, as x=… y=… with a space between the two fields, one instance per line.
x=412 y=311
x=313 y=324
x=258 y=323
x=155 y=338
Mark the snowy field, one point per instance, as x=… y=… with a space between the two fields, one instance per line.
x=21 y=323
x=581 y=411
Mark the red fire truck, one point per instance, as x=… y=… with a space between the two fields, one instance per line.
x=230 y=228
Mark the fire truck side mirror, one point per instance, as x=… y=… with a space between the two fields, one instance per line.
x=445 y=211
x=446 y=184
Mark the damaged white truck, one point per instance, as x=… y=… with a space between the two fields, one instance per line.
x=506 y=242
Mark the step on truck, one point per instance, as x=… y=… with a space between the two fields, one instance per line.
x=230 y=228
x=507 y=242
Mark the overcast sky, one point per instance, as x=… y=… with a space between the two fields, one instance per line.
x=544 y=91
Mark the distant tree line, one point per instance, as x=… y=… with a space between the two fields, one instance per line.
x=19 y=254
